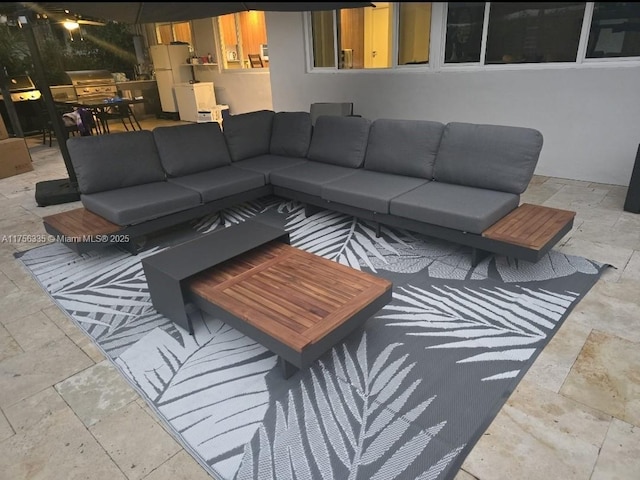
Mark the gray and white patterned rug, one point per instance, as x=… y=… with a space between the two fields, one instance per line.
x=405 y=397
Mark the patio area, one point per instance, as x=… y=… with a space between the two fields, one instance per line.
x=68 y=413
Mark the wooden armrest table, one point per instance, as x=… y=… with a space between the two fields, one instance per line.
x=294 y=303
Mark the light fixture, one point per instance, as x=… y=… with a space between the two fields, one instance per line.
x=71 y=25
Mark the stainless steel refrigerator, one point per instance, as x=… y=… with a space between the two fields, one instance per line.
x=171 y=67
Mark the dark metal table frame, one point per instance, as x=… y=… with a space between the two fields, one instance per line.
x=168 y=271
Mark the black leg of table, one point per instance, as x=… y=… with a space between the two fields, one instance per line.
x=288 y=369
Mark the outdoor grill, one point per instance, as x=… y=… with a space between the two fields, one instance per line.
x=93 y=84
x=25 y=98
x=21 y=88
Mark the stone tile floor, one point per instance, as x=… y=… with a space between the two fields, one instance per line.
x=66 y=413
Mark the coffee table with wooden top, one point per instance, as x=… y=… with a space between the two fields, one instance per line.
x=296 y=304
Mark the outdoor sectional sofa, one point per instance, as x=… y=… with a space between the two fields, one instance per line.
x=456 y=181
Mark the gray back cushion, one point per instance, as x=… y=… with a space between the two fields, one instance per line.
x=193 y=148
x=488 y=156
x=291 y=134
x=248 y=134
x=339 y=140
x=117 y=160
x=403 y=147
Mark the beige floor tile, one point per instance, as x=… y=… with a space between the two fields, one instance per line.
x=57 y=447
x=34 y=331
x=78 y=336
x=611 y=307
x=32 y=410
x=8 y=345
x=462 y=475
x=599 y=252
x=568 y=181
x=135 y=441
x=23 y=375
x=16 y=272
x=22 y=303
x=539 y=193
x=621 y=234
x=620 y=455
x=574 y=196
x=601 y=216
x=6 y=285
x=181 y=466
x=539 y=434
x=554 y=363
x=606 y=376
x=96 y=393
x=5 y=429
x=632 y=271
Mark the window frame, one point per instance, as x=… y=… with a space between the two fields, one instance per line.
x=437 y=47
x=222 y=65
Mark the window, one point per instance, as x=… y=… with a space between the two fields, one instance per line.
x=323 y=39
x=398 y=35
x=173 y=32
x=243 y=37
x=414 y=32
x=464 y=32
x=365 y=36
x=534 y=32
x=615 y=30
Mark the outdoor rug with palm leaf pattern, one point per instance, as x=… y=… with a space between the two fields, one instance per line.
x=405 y=397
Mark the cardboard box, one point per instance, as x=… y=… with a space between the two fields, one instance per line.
x=4 y=134
x=14 y=157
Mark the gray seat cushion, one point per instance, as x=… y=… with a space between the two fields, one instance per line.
x=462 y=208
x=187 y=149
x=488 y=156
x=291 y=134
x=266 y=164
x=339 y=141
x=117 y=160
x=369 y=190
x=220 y=182
x=132 y=205
x=248 y=134
x=403 y=147
x=308 y=177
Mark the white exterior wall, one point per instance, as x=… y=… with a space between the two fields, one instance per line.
x=589 y=116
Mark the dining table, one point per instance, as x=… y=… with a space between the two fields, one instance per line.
x=102 y=110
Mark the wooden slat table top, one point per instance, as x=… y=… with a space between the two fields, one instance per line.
x=531 y=226
x=79 y=223
x=291 y=295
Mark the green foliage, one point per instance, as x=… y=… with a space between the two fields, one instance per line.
x=14 y=52
x=109 y=47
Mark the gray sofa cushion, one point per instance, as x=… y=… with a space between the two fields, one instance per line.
x=403 y=147
x=192 y=148
x=117 y=160
x=339 y=140
x=488 y=156
x=132 y=205
x=291 y=134
x=462 y=208
x=248 y=134
x=220 y=182
x=369 y=190
x=308 y=177
x=266 y=164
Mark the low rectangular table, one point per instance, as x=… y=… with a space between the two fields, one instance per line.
x=295 y=303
